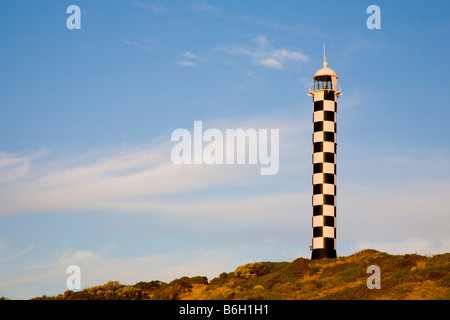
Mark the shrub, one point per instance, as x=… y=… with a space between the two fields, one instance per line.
x=112 y=285
x=182 y=284
x=227 y=294
x=199 y=280
x=129 y=293
x=152 y=285
x=249 y=270
x=223 y=277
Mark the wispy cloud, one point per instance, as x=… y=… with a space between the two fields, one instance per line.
x=188 y=54
x=5 y=257
x=69 y=258
x=190 y=59
x=271 y=63
x=209 y=9
x=185 y=63
x=263 y=53
x=14 y=166
x=130 y=180
x=156 y=8
x=219 y=12
x=147 y=45
x=286 y=54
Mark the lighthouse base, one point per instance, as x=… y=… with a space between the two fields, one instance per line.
x=323 y=253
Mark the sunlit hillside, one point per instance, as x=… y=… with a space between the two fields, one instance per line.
x=402 y=277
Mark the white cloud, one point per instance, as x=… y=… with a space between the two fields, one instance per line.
x=147 y=45
x=69 y=258
x=190 y=59
x=188 y=54
x=219 y=12
x=283 y=53
x=5 y=257
x=185 y=63
x=264 y=54
x=271 y=63
x=262 y=40
x=15 y=166
x=206 y=7
x=129 y=179
x=156 y=8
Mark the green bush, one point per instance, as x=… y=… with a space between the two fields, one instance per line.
x=150 y=286
x=223 y=278
x=249 y=270
x=199 y=280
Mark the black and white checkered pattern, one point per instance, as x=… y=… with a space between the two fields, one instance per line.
x=324 y=174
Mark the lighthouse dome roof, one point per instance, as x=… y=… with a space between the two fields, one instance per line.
x=325 y=71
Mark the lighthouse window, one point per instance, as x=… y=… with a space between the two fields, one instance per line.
x=323 y=78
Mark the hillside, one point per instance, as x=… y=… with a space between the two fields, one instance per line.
x=402 y=277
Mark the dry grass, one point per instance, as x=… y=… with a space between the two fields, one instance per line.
x=403 y=277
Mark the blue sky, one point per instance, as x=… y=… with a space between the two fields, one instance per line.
x=86 y=117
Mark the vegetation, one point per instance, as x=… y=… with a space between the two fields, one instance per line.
x=402 y=277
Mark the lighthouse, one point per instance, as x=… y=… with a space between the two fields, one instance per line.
x=324 y=91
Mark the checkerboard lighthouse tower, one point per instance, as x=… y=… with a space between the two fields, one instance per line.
x=325 y=92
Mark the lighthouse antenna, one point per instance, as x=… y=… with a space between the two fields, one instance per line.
x=324 y=57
